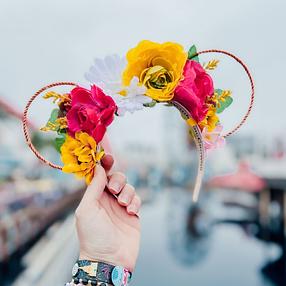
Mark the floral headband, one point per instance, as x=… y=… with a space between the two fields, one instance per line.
x=151 y=73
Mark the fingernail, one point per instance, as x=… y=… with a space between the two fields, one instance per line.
x=124 y=199
x=132 y=209
x=107 y=155
x=114 y=186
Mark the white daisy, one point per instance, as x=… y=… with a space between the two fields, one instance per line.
x=134 y=99
x=107 y=74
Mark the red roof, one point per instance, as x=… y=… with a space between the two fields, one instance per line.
x=243 y=179
x=13 y=111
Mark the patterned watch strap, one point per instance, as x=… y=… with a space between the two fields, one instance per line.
x=99 y=273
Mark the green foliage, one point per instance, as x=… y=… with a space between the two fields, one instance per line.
x=150 y=104
x=52 y=125
x=59 y=141
x=224 y=101
x=224 y=104
x=192 y=54
x=54 y=115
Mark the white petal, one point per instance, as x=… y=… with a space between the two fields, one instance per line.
x=111 y=67
x=134 y=81
x=89 y=77
x=143 y=99
x=107 y=71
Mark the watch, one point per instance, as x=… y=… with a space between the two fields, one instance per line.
x=96 y=273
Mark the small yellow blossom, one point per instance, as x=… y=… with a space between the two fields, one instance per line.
x=219 y=97
x=191 y=122
x=49 y=127
x=80 y=156
x=60 y=123
x=211 y=119
x=57 y=97
x=211 y=65
x=159 y=67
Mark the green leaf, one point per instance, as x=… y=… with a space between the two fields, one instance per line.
x=52 y=120
x=62 y=131
x=150 y=104
x=59 y=141
x=54 y=115
x=224 y=104
x=218 y=91
x=192 y=54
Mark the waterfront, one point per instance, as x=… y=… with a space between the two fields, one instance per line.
x=175 y=248
x=236 y=233
x=224 y=254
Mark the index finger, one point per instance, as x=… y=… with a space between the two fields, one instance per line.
x=107 y=161
x=106 y=145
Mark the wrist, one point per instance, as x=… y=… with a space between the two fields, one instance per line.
x=117 y=258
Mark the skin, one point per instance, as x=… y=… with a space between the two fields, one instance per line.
x=108 y=227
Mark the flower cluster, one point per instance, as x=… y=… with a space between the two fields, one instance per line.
x=150 y=73
x=81 y=120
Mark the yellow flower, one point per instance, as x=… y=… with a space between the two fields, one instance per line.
x=57 y=97
x=80 y=156
x=60 y=123
x=211 y=119
x=158 y=66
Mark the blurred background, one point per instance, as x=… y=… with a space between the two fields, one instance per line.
x=236 y=233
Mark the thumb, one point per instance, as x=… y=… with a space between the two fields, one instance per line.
x=96 y=187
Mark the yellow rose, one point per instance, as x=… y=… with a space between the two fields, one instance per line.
x=158 y=66
x=79 y=156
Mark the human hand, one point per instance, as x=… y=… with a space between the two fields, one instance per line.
x=108 y=228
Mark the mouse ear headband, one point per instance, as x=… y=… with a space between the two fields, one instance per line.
x=151 y=73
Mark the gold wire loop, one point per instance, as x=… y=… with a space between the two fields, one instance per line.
x=251 y=84
x=25 y=122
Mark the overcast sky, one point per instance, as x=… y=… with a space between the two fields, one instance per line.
x=47 y=41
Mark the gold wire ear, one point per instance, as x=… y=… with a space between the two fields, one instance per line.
x=25 y=122
x=196 y=132
x=251 y=84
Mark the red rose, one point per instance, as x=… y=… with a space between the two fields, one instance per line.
x=90 y=112
x=194 y=89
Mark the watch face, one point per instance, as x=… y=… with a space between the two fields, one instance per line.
x=75 y=269
x=117 y=276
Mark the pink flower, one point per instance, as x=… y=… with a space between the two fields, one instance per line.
x=213 y=139
x=91 y=112
x=194 y=89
